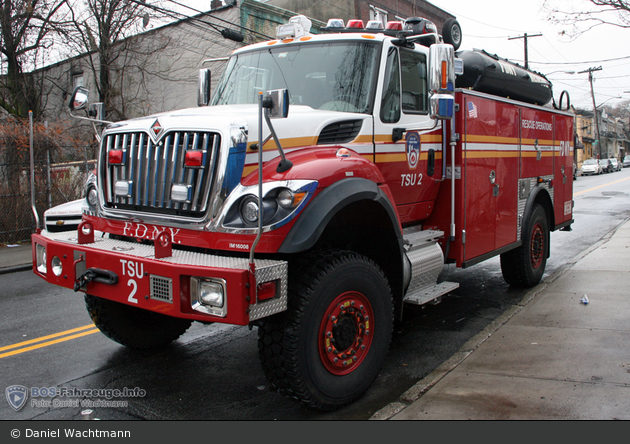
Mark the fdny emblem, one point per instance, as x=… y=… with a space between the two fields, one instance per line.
x=16 y=396
x=412 y=140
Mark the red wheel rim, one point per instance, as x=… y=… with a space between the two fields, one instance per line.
x=537 y=246
x=345 y=333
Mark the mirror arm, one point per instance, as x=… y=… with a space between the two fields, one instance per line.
x=284 y=164
x=107 y=122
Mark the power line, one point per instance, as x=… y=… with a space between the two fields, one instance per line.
x=585 y=62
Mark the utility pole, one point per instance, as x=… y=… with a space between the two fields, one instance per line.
x=590 y=79
x=525 y=37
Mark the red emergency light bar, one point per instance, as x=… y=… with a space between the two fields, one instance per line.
x=357 y=24
x=394 y=26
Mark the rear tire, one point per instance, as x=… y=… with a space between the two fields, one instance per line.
x=524 y=266
x=134 y=327
x=328 y=347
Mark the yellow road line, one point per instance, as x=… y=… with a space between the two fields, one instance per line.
x=600 y=186
x=61 y=338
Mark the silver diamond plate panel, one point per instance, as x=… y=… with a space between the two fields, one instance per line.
x=422 y=236
x=430 y=293
x=278 y=272
x=426 y=266
x=143 y=251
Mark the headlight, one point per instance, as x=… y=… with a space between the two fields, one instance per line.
x=288 y=199
x=40 y=255
x=280 y=203
x=208 y=296
x=56 y=266
x=92 y=196
x=211 y=293
x=250 y=210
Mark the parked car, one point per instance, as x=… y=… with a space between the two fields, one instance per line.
x=606 y=165
x=626 y=161
x=616 y=164
x=64 y=217
x=590 y=166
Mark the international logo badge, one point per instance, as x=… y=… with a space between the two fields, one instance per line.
x=16 y=396
x=412 y=140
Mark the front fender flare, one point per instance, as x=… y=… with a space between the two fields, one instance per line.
x=316 y=216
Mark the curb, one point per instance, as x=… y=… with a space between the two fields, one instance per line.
x=426 y=383
x=16 y=268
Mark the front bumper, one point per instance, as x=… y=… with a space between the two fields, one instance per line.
x=162 y=285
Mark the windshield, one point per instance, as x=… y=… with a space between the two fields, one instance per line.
x=590 y=162
x=332 y=76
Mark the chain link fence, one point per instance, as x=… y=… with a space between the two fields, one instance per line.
x=61 y=169
x=54 y=184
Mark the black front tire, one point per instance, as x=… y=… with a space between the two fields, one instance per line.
x=524 y=266
x=328 y=347
x=134 y=327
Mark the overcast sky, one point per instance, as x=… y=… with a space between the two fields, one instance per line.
x=489 y=24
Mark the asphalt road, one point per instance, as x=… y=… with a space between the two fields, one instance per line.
x=213 y=373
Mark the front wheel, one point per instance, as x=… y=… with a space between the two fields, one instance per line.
x=524 y=266
x=134 y=327
x=328 y=347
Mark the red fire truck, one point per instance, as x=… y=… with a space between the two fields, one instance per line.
x=325 y=187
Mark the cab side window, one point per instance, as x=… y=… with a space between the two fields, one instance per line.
x=414 y=82
x=390 y=104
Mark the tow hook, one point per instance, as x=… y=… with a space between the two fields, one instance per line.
x=97 y=275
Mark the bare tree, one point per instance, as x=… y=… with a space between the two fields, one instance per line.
x=102 y=28
x=26 y=27
x=590 y=14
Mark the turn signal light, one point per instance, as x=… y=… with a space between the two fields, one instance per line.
x=266 y=290
x=444 y=74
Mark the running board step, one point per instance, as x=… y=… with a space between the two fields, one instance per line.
x=421 y=297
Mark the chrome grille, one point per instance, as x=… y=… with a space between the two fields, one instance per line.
x=149 y=172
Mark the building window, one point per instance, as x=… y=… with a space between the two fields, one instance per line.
x=77 y=80
x=378 y=14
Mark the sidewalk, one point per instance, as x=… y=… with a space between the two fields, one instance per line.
x=551 y=357
x=15 y=258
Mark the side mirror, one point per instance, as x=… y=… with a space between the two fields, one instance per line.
x=277 y=103
x=441 y=81
x=204 y=93
x=79 y=99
